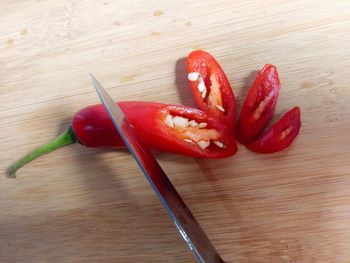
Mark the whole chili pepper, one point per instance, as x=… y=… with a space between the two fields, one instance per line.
x=210 y=87
x=172 y=128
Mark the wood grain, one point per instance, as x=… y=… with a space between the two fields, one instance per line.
x=91 y=205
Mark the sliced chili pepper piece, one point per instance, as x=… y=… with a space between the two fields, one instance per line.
x=280 y=135
x=259 y=105
x=180 y=129
x=211 y=89
x=173 y=128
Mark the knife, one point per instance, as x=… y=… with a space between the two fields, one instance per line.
x=182 y=217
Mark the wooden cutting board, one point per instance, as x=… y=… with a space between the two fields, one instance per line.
x=93 y=205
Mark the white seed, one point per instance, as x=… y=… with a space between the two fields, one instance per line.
x=188 y=140
x=202 y=125
x=180 y=122
x=193 y=123
x=203 y=144
x=169 y=121
x=219 y=144
x=201 y=85
x=204 y=93
x=193 y=76
x=220 y=108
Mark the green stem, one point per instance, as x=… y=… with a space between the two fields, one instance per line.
x=63 y=139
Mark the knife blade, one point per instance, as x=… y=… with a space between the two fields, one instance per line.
x=187 y=225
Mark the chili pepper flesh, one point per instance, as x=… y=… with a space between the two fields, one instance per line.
x=210 y=87
x=191 y=131
x=211 y=96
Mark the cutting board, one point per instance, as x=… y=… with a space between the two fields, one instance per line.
x=94 y=205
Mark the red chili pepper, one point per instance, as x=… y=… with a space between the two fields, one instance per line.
x=210 y=87
x=280 y=135
x=259 y=105
x=172 y=128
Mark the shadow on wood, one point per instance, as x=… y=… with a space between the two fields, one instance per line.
x=184 y=90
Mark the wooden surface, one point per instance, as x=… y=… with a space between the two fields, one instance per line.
x=89 y=205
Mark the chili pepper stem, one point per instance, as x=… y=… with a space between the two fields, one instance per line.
x=67 y=137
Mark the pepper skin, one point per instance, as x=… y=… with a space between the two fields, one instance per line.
x=259 y=105
x=280 y=135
